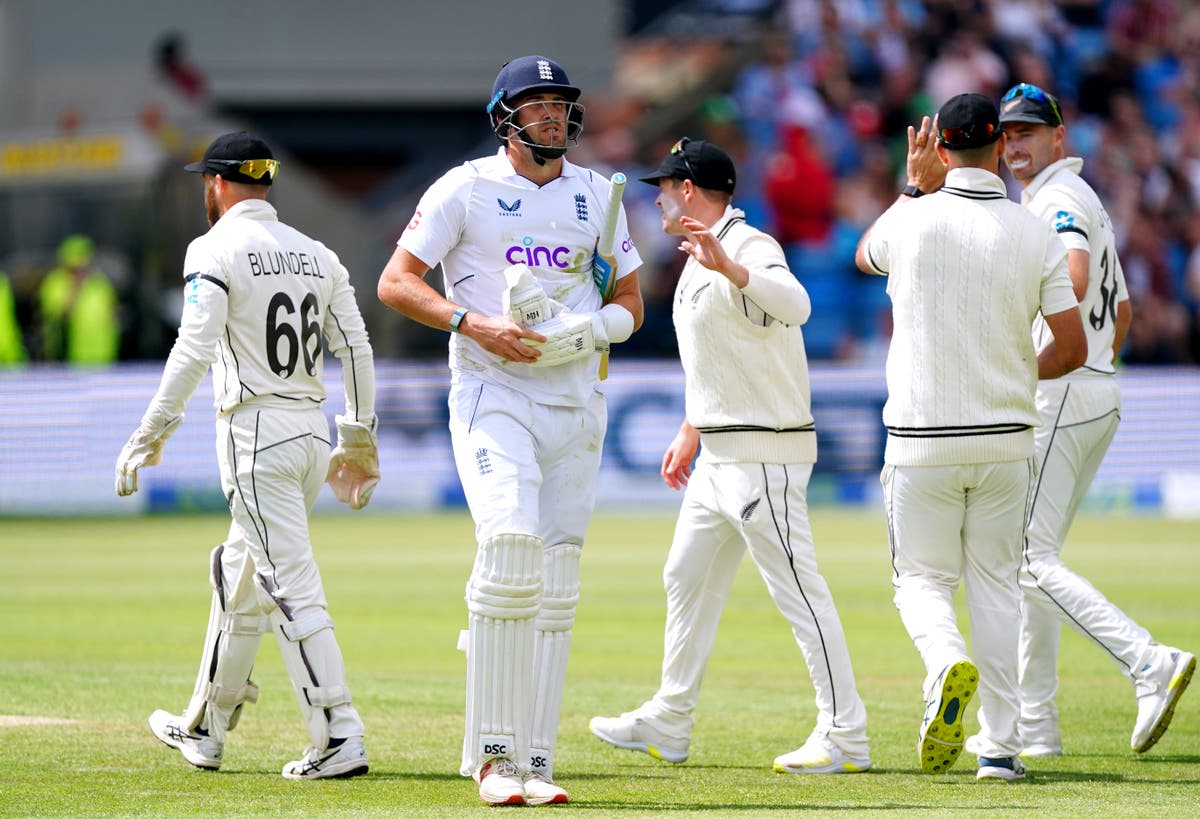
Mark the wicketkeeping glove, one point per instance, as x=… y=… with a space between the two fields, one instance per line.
x=569 y=336
x=354 y=463
x=144 y=448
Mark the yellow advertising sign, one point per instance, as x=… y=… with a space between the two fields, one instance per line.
x=56 y=156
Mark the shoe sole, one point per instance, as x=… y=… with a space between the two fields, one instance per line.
x=334 y=773
x=645 y=747
x=941 y=741
x=515 y=799
x=999 y=775
x=557 y=799
x=204 y=763
x=850 y=766
x=1179 y=684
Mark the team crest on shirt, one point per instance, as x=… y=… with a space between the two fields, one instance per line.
x=507 y=209
x=581 y=210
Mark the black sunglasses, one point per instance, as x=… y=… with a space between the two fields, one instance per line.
x=678 y=149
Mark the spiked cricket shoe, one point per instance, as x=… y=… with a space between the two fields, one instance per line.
x=1158 y=690
x=635 y=733
x=941 y=739
x=199 y=749
x=346 y=760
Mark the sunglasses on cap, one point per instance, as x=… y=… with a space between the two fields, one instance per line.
x=1032 y=92
x=253 y=168
x=678 y=149
x=968 y=134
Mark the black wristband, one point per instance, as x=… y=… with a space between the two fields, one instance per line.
x=913 y=191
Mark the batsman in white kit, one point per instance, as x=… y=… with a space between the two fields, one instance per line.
x=968 y=272
x=1079 y=415
x=738 y=313
x=531 y=304
x=259 y=298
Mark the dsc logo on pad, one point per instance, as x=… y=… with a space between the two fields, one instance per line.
x=535 y=255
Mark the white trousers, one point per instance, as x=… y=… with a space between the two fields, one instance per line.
x=1079 y=419
x=273 y=464
x=727 y=509
x=948 y=524
x=527 y=469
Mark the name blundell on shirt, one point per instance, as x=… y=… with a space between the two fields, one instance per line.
x=279 y=262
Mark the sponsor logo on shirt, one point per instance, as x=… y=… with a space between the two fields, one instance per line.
x=509 y=210
x=530 y=252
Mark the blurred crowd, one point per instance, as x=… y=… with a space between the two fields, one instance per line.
x=816 y=122
x=813 y=107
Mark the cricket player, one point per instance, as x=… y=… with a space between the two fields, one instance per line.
x=516 y=235
x=259 y=297
x=738 y=312
x=1078 y=415
x=968 y=272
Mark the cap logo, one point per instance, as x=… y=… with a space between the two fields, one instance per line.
x=544 y=70
x=1008 y=106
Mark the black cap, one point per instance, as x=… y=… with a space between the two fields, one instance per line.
x=525 y=75
x=1028 y=103
x=228 y=154
x=702 y=162
x=967 y=121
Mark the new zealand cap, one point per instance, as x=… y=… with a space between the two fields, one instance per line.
x=1028 y=103
x=232 y=156
x=702 y=162
x=968 y=121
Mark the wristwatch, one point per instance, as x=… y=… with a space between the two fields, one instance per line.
x=913 y=191
x=456 y=319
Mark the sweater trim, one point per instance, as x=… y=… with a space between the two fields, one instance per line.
x=956 y=432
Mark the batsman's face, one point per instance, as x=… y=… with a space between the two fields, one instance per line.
x=543 y=118
x=671 y=203
x=1031 y=147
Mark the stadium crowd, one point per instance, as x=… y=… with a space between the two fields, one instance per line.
x=816 y=125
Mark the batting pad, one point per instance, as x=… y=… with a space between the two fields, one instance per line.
x=231 y=645
x=551 y=645
x=503 y=597
x=314 y=663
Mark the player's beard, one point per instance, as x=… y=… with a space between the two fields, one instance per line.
x=211 y=207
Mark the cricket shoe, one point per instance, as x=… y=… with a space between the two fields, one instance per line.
x=1158 y=688
x=1007 y=768
x=541 y=790
x=199 y=749
x=348 y=759
x=635 y=733
x=941 y=738
x=818 y=755
x=500 y=782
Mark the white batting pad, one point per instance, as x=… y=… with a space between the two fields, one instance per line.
x=551 y=646
x=314 y=663
x=503 y=596
x=231 y=645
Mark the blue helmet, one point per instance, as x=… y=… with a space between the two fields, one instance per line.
x=529 y=75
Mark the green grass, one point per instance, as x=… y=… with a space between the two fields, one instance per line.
x=100 y=623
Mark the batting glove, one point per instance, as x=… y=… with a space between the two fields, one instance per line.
x=354 y=463
x=144 y=448
x=569 y=336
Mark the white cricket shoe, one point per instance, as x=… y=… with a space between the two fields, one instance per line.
x=346 y=760
x=199 y=749
x=541 y=790
x=1158 y=689
x=818 y=755
x=635 y=733
x=500 y=782
x=1007 y=768
x=941 y=738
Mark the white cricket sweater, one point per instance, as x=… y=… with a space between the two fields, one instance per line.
x=968 y=271
x=746 y=372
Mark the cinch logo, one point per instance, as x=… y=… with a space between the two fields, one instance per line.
x=507 y=209
x=538 y=255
